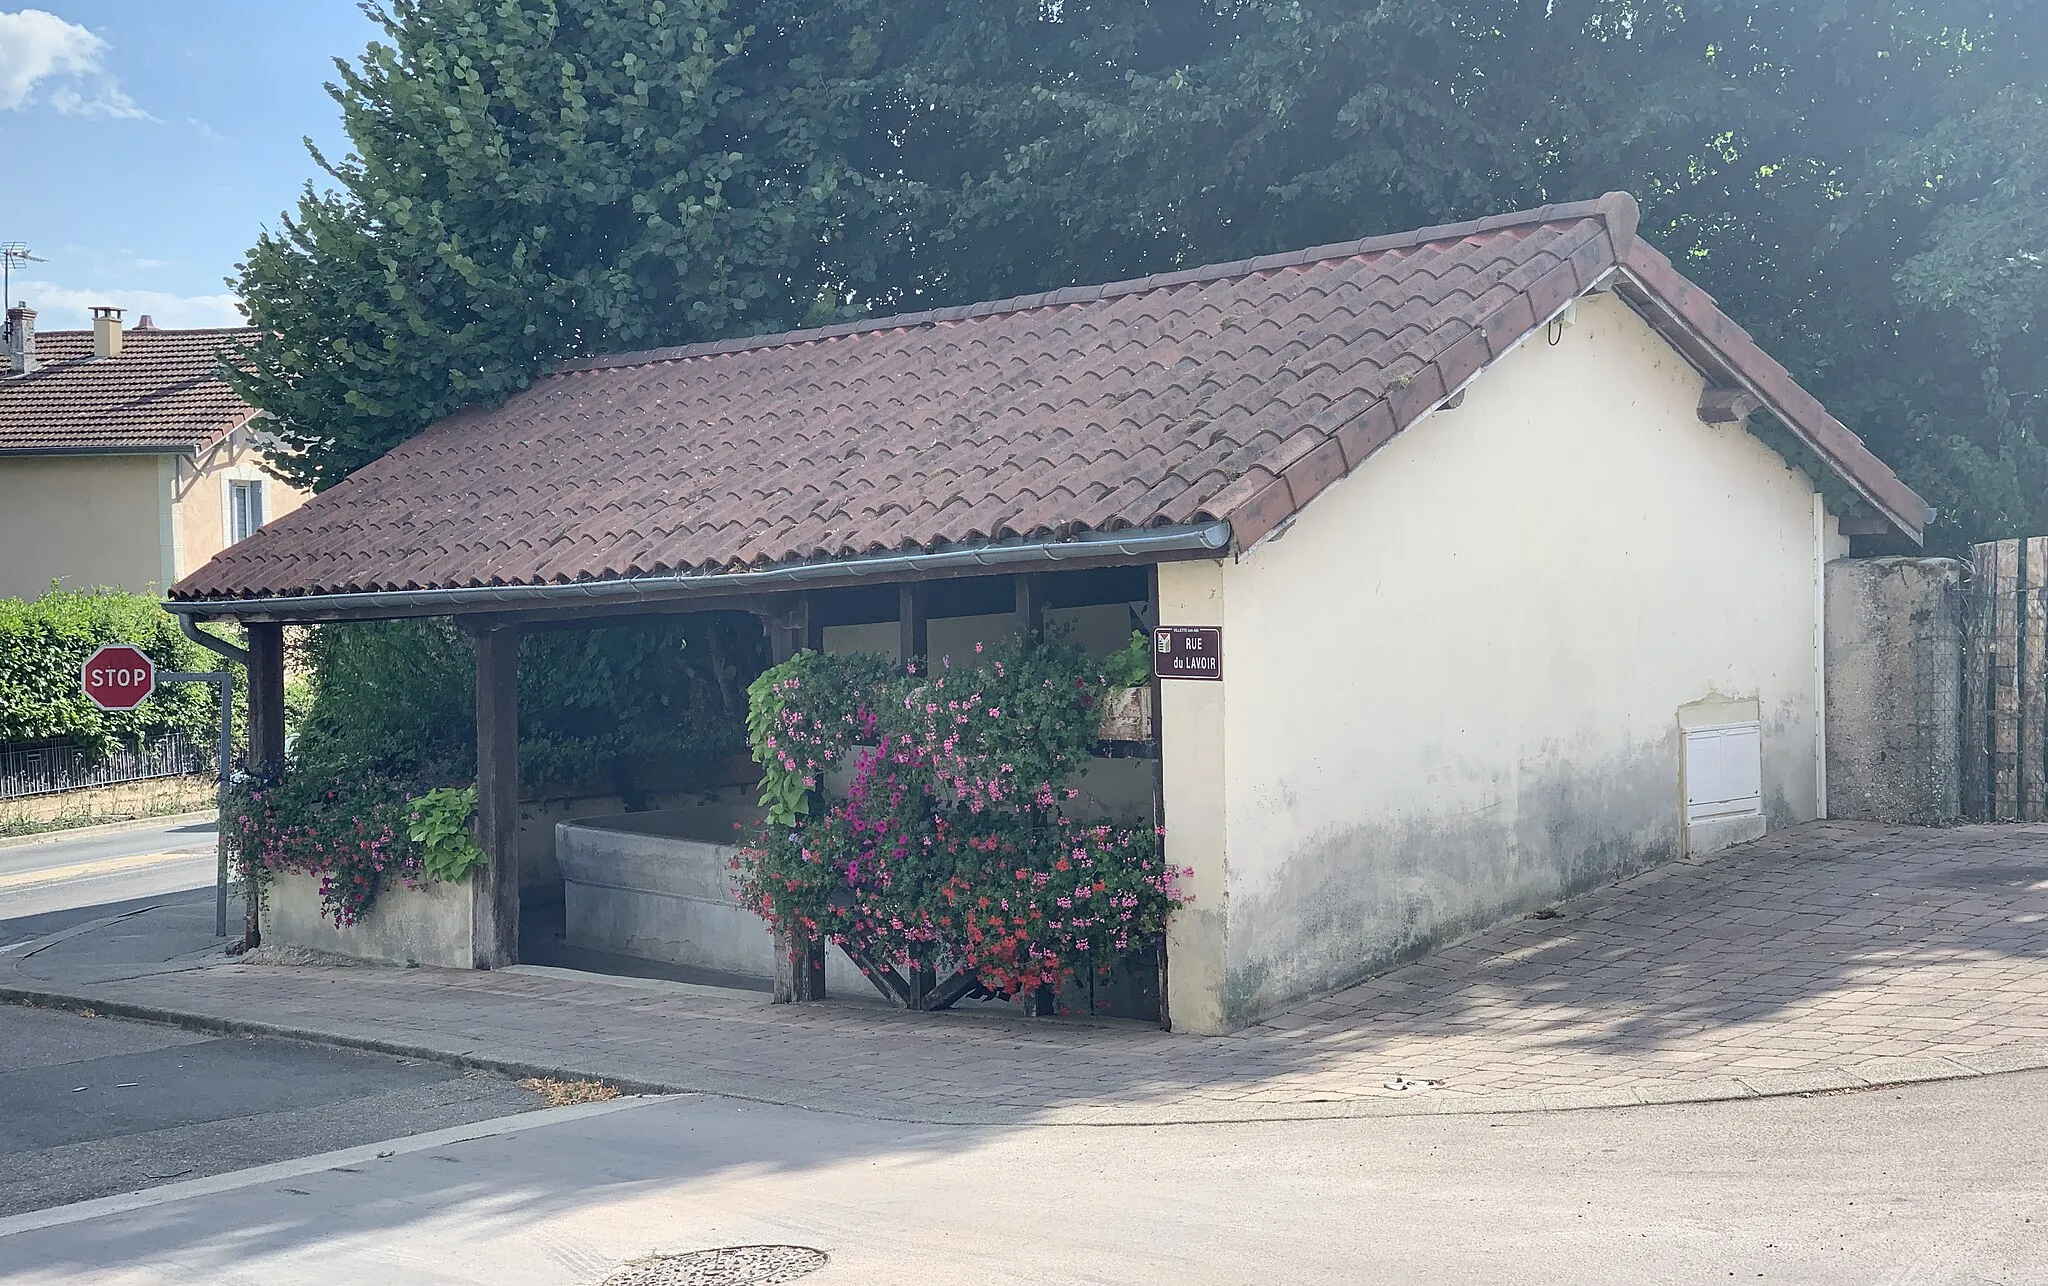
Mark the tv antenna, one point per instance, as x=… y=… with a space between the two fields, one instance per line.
x=12 y=253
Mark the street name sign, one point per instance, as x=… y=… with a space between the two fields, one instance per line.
x=1187 y=652
x=118 y=677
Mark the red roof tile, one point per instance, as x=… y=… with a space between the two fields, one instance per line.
x=161 y=393
x=1235 y=392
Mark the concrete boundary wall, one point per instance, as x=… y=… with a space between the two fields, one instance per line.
x=1895 y=689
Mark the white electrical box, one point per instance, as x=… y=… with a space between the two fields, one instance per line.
x=1724 y=771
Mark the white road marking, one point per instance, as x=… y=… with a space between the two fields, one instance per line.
x=234 y=1180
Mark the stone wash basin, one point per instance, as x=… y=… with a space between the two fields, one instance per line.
x=659 y=886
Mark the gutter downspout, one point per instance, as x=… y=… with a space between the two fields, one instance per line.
x=189 y=627
x=1211 y=538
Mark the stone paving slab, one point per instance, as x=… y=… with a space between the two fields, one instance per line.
x=1826 y=958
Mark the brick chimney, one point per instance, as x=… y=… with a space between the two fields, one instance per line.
x=21 y=339
x=106 y=331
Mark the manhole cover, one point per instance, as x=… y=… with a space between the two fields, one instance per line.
x=725 y=1266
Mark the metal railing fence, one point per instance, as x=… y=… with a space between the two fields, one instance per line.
x=49 y=768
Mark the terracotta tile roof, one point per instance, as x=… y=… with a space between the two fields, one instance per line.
x=160 y=393
x=1234 y=392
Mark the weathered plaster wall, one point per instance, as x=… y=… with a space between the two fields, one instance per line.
x=429 y=925
x=540 y=870
x=1452 y=687
x=90 y=520
x=659 y=885
x=1193 y=761
x=1895 y=693
x=202 y=502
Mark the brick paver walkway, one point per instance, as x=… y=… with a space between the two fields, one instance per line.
x=1830 y=956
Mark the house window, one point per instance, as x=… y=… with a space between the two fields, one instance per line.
x=245 y=509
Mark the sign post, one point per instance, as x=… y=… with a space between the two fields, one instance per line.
x=120 y=677
x=224 y=759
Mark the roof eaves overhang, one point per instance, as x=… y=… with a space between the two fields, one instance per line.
x=74 y=449
x=1646 y=280
x=1091 y=549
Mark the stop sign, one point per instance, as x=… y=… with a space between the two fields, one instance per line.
x=118 y=677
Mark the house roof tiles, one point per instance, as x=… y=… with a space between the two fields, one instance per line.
x=160 y=394
x=1234 y=392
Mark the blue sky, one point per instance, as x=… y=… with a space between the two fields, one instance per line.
x=143 y=144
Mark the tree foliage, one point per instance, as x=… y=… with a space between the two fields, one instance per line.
x=44 y=643
x=531 y=179
x=1860 y=185
x=624 y=710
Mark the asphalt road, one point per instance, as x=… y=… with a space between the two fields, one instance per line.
x=94 y=1106
x=1933 y=1185
x=50 y=884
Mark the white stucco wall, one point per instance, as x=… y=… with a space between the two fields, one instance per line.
x=87 y=520
x=202 y=514
x=1452 y=687
x=134 y=522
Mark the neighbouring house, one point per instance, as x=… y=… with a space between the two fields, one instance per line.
x=124 y=459
x=1512 y=542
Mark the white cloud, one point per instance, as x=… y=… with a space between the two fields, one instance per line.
x=65 y=308
x=41 y=49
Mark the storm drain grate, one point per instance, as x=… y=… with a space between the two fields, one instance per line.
x=725 y=1266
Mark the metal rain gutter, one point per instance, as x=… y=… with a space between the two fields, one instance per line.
x=190 y=629
x=1198 y=538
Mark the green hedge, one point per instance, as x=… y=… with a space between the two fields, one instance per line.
x=44 y=642
x=631 y=709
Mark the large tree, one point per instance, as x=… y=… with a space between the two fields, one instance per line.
x=1861 y=185
x=531 y=179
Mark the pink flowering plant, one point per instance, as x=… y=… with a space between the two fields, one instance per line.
x=355 y=834
x=949 y=844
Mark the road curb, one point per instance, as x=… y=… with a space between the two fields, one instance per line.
x=214 y=1025
x=107 y=828
x=1877 y=1075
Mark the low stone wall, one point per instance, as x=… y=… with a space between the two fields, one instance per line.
x=540 y=872
x=430 y=925
x=157 y=797
x=1894 y=690
x=658 y=885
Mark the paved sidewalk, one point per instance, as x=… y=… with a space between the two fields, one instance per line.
x=1831 y=956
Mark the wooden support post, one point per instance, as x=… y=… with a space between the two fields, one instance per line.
x=266 y=700
x=2032 y=682
x=810 y=623
x=2007 y=666
x=792 y=625
x=1030 y=604
x=911 y=635
x=799 y=960
x=781 y=645
x=494 y=890
x=799 y=966
x=1726 y=405
x=266 y=737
